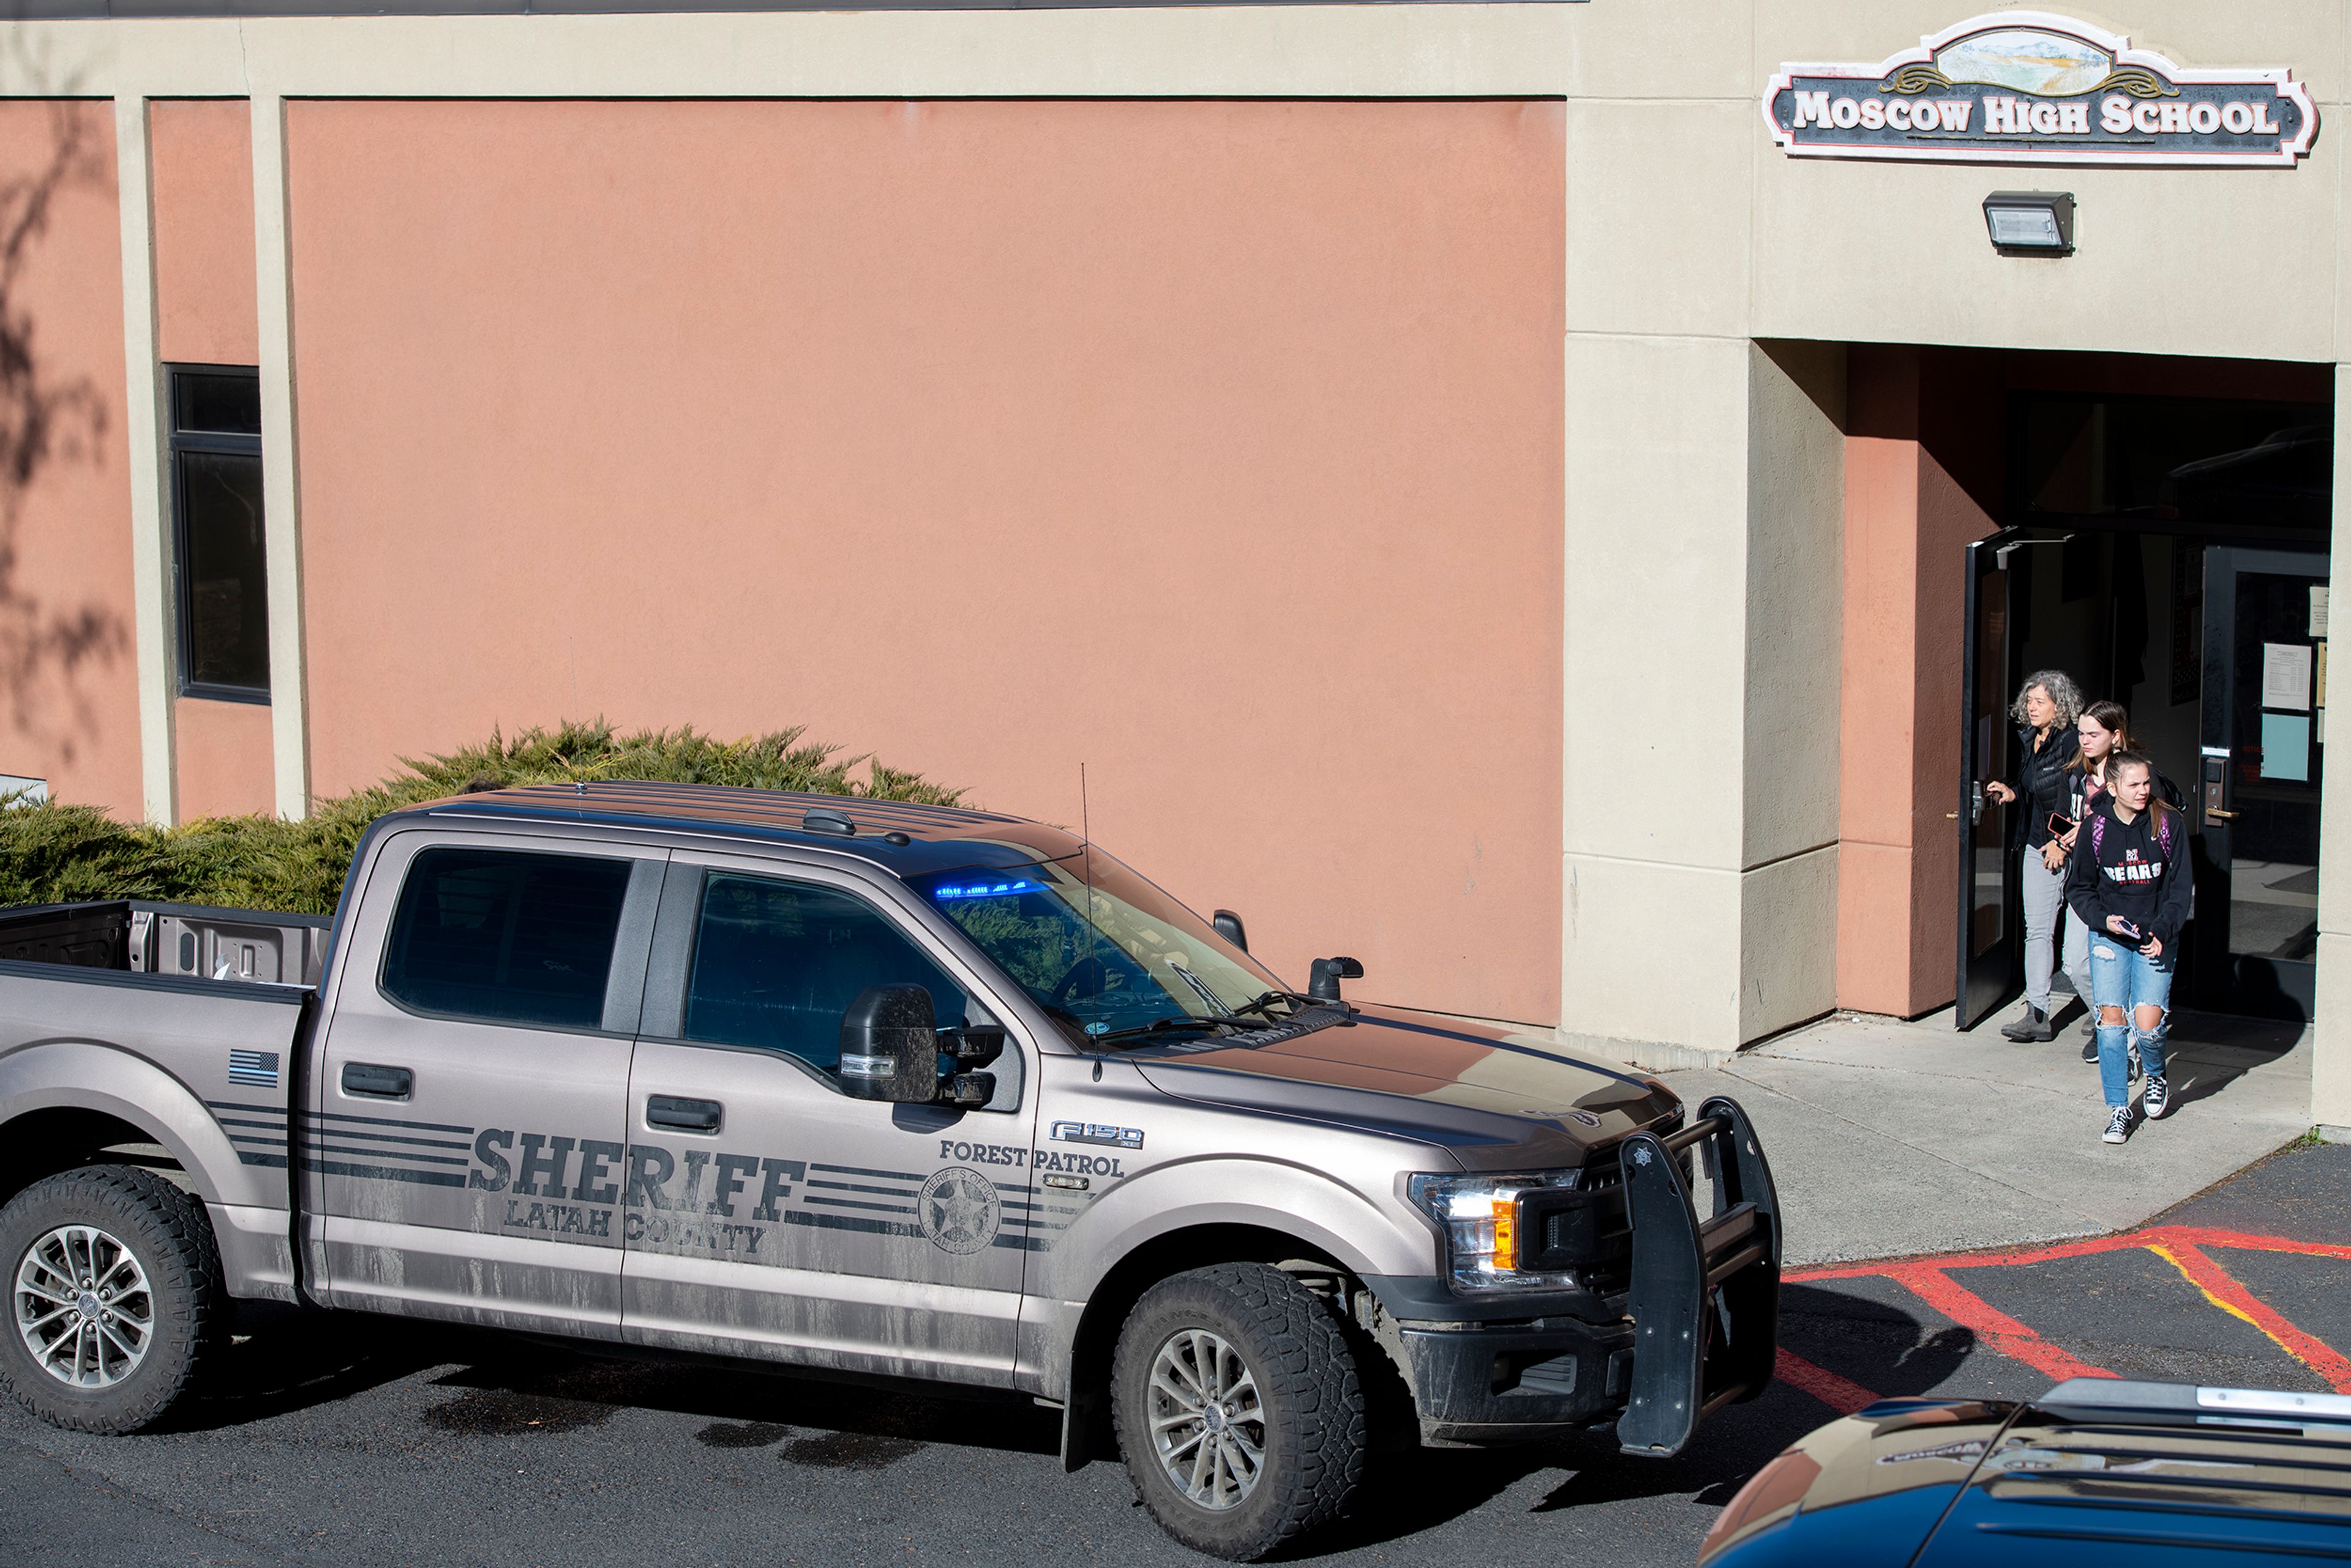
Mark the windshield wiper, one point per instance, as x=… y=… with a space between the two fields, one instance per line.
x=1263 y=1003
x=1168 y=1025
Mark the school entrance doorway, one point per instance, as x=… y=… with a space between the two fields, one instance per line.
x=2170 y=554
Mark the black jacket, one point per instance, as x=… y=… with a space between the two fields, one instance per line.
x=2041 y=781
x=2140 y=870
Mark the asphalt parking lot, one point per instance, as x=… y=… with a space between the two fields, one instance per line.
x=351 y=1440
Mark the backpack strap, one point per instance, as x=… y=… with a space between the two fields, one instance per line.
x=2098 y=832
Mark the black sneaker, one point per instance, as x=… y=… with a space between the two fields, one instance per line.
x=2090 y=1046
x=2034 y=1026
x=2155 y=1097
x=2119 y=1125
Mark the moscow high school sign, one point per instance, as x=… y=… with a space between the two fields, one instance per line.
x=2021 y=86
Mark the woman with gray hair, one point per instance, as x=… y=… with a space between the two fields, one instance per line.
x=2045 y=710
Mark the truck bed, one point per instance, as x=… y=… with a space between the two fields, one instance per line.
x=142 y=936
x=183 y=1020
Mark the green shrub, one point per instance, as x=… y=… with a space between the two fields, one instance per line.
x=58 y=853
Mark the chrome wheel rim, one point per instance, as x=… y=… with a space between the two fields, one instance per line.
x=1208 y=1423
x=83 y=1307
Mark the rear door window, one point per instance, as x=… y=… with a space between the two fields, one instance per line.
x=506 y=936
x=776 y=964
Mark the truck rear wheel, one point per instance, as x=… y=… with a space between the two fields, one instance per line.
x=1238 y=1408
x=114 y=1296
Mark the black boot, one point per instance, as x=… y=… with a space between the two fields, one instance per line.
x=2034 y=1026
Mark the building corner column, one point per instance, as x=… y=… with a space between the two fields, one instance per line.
x=290 y=708
x=2330 y=1046
x=154 y=631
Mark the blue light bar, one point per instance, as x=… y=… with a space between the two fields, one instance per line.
x=988 y=889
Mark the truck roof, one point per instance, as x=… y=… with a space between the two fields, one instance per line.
x=902 y=837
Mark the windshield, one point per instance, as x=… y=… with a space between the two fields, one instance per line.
x=1141 y=958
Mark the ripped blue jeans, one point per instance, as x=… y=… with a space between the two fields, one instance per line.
x=2126 y=980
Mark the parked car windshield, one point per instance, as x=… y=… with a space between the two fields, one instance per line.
x=1141 y=958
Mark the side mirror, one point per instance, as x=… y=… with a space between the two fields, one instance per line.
x=974 y=1045
x=1228 y=927
x=890 y=1046
x=1323 y=984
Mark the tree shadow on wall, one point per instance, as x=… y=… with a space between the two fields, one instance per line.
x=49 y=420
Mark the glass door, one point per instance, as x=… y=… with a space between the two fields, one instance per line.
x=2255 y=939
x=1991 y=924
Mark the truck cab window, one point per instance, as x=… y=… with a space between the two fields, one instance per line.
x=775 y=964
x=506 y=937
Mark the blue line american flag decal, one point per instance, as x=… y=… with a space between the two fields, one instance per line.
x=255 y=1067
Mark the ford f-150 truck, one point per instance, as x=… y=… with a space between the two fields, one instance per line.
x=871 y=1090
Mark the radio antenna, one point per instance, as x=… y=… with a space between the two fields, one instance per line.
x=1094 y=936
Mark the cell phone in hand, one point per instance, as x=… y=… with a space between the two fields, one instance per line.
x=2137 y=938
x=2059 y=824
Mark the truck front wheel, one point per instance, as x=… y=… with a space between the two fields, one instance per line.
x=114 y=1296
x=1239 y=1408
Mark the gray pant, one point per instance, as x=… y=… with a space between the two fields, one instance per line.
x=2044 y=897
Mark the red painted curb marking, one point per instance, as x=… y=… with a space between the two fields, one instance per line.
x=2181 y=1246
x=1822 y=1384
x=2230 y=1296
x=1989 y=1324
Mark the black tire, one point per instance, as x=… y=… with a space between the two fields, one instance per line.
x=168 y=1235
x=1310 y=1402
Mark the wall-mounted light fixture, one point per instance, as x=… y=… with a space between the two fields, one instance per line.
x=2031 y=223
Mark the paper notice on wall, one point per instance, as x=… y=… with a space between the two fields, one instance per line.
x=2318 y=611
x=2285 y=748
x=2285 y=676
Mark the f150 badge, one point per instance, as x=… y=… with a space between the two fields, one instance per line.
x=1096 y=1132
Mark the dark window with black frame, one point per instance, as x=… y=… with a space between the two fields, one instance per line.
x=217 y=537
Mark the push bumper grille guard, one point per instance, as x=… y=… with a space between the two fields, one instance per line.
x=1705 y=1297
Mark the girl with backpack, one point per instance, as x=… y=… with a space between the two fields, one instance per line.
x=2104 y=729
x=2132 y=885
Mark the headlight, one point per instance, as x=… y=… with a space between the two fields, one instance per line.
x=1485 y=1236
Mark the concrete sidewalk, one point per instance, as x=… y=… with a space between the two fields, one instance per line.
x=1888 y=1138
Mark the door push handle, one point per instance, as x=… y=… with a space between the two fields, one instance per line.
x=377 y=1083
x=686 y=1115
x=2217 y=813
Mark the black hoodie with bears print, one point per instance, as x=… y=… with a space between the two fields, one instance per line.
x=2139 y=870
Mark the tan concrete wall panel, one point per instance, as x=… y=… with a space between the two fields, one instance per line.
x=1795 y=456
x=68 y=686
x=1787 y=971
x=1659 y=194
x=2196 y=261
x=225 y=766
x=1653 y=954
x=203 y=176
x=1657 y=586
x=1215 y=445
x=2306 y=36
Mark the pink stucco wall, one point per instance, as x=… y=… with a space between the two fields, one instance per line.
x=1216 y=446
x=202 y=152
x=225 y=758
x=68 y=691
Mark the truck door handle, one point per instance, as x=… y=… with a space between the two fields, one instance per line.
x=378 y=1082
x=686 y=1115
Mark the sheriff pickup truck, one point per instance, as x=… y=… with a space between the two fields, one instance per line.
x=865 y=1090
